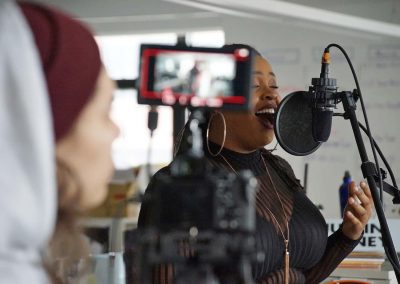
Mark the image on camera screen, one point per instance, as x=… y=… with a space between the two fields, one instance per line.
x=203 y=75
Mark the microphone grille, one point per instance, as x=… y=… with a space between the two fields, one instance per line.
x=321 y=124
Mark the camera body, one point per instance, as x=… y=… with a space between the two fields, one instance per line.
x=195 y=194
x=203 y=219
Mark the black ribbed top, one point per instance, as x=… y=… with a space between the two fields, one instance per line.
x=313 y=256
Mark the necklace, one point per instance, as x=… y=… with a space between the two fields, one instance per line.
x=285 y=238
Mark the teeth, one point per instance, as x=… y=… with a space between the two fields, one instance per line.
x=266 y=110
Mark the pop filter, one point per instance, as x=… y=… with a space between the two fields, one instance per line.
x=293 y=125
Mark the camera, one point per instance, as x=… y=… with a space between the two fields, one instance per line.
x=200 y=218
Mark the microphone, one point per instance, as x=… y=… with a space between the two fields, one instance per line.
x=304 y=119
x=323 y=101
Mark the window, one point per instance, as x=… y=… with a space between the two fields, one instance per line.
x=120 y=55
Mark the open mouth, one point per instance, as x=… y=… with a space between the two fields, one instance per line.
x=267 y=117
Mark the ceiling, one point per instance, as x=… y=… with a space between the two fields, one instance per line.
x=376 y=15
x=381 y=10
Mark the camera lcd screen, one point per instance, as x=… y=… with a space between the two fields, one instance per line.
x=199 y=77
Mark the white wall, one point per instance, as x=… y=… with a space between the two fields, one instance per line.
x=294 y=49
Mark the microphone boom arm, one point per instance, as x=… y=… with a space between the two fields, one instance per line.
x=369 y=171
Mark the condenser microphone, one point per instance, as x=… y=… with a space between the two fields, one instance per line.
x=304 y=119
x=323 y=101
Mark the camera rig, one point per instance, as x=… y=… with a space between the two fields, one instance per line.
x=202 y=218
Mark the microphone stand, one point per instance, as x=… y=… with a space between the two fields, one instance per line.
x=369 y=172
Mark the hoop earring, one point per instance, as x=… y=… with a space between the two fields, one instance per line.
x=208 y=131
x=273 y=149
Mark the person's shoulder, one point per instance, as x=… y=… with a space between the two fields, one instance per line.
x=162 y=172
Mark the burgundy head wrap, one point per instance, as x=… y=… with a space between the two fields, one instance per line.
x=70 y=59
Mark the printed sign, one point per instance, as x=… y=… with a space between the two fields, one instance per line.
x=372 y=239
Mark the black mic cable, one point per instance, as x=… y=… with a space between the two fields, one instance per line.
x=389 y=169
x=393 y=259
x=369 y=133
x=152 y=122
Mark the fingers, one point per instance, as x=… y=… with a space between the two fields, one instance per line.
x=361 y=210
x=354 y=220
x=362 y=193
x=357 y=208
x=359 y=226
x=367 y=192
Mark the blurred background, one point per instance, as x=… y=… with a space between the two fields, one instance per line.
x=292 y=36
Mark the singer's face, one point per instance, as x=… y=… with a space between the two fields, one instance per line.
x=247 y=132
